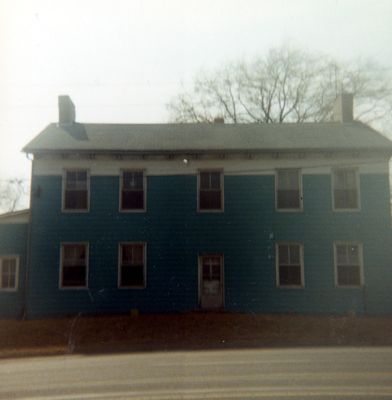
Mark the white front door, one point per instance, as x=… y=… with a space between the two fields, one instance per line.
x=211 y=281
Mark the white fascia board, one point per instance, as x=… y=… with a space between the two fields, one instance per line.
x=110 y=166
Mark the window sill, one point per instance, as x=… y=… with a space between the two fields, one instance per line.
x=289 y=210
x=349 y=286
x=73 y=288
x=131 y=287
x=290 y=287
x=76 y=211
x=133 y=211
x=343 y=210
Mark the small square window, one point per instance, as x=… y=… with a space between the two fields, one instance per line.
x=132 y=265
x=132 y=191
x=74 y=265
x=76 y=190
x=348 y=264
x=9 y=267
x=345 y=184
x=210 y=196
x=288 y=190
x=289 y=265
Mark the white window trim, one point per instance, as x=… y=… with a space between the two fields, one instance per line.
x=141 y=210
x=63 y=187
x=16 y=257
x=222 y=180
x=301 y=259
x=123 y=287
x=87 y=245
x=335 y=261
x=301 y=206
x=357 y=180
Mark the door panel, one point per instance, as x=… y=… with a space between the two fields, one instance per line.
x=211 y=281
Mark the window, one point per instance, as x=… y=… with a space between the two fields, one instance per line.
x=74 y=265
x=132 y=265
x=76 y=190
x=288 y=189
x=9 y=266
x=345 y=189
x=132 y=191
x=210 y=191
x=289 y=265
x=348 y=264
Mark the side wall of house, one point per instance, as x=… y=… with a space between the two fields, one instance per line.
x=175 y=234
x=13 y=242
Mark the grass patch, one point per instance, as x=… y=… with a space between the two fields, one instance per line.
x=159 y=332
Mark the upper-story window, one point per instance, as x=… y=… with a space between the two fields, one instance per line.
x=345 y=183
x=9 y=266
x=76 y=190
x=348 y=264
x=210 y=196
x=133 y=193
x=288 y=190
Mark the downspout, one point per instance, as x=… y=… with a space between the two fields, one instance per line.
x=364 y=300
x=28 y=248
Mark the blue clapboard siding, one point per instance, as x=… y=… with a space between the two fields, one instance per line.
x=13 y=241
x=245 y=233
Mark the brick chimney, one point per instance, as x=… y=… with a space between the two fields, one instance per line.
x=343 y=108
x=66 y=110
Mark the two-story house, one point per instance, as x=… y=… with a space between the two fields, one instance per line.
x=175 y=217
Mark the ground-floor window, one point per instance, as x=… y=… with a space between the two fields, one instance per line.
x=74 y=265
x=289 y=265
x=9 y=266
x=348 y=264
x=132 y=265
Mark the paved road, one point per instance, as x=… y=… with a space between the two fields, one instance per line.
x=326 y=373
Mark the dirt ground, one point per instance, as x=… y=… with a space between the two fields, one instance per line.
x=151 y=332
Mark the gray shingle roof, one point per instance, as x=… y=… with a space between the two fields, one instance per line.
x=15 y=217
x=207 y=137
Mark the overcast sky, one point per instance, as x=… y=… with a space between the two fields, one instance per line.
x=122 y=60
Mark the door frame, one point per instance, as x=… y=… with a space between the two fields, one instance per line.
x=199 y=278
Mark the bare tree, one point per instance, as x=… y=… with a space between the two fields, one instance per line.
x=287 y=85
x=13 y=194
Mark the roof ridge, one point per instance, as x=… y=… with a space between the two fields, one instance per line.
x=220 y=125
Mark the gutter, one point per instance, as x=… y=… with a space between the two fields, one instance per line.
x=196 y=152
x=28 y=251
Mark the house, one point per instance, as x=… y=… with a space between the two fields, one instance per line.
x=266 y=218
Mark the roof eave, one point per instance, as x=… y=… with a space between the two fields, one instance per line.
x=380 y=150
x=18 y=217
